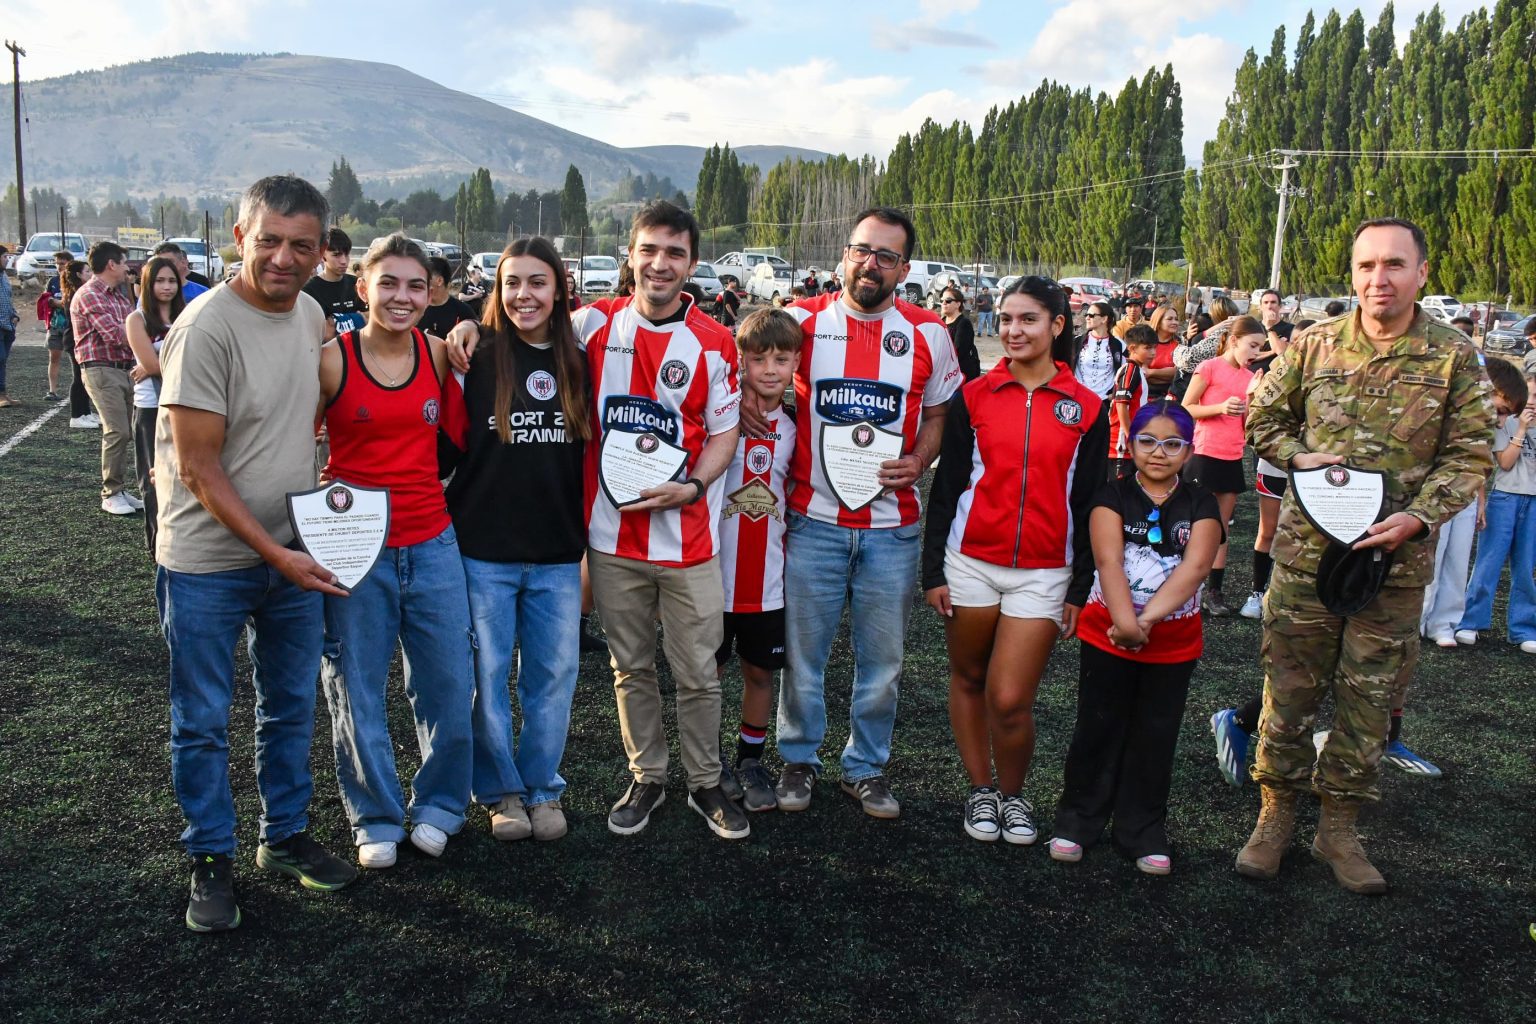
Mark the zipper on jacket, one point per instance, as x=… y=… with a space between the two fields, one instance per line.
x=1029 y=421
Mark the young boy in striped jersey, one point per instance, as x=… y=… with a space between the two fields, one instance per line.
x=752 y=545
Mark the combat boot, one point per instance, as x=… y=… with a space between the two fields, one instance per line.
x=1339 y=847
x=1271 y=836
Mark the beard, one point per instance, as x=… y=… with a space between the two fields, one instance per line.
x=866 y=289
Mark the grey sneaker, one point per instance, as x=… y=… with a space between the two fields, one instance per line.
x=729 y=784
x=633 y=811
x=720 y=813
x=509 y=819
x=795 y=785
x=548 y=820
x=874 y=795
x=757 y=786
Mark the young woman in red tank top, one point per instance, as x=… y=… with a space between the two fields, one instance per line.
x=382 y=394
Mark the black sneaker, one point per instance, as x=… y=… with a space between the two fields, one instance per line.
x=730 y=784
x=1214 y=604
x=633 y=811
x=757 y=783
x=303 y=858
x=212 y=906
x=591 y=643
x=723 y=817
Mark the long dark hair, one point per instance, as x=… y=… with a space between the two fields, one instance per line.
x=570 y=364
x=70 y=280
x=147 y=303
x=1054 y=298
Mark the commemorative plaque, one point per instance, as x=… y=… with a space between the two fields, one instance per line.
x=633 y=462
x=851 y=455
x=342 y=526
x=1341 y=501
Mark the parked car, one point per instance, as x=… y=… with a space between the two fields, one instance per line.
x=1446 y=307
x=199 y=259
x=1509 y=339
x=138 y=255
x=921 y=274
x=598 y=274
x=770 y=280
x=967 y=284
x=708 y=281
x=1086 y=290
x=486 y=261
x=1315 y=308
x=35 y=262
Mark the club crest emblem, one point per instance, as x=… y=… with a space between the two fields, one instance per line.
x=646 y=443
x=338 y=499
x=1338 y=476
x=540 y=385
x=1068 y=412
x=759 y=459
x=431 y=411
x=896 y=344
x=674 y=374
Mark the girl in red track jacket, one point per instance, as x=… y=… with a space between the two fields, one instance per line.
x=1006 y=557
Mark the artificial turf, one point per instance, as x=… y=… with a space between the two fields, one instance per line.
x=825 y=915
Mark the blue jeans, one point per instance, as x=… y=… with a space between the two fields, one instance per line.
x=984 y=322
x=202 y=615
x=536 y=609
x=7 y=339
x=415 y=595
x=874 y=572
x=1510 y=536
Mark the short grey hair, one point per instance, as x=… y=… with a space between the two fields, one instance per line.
x=286 y=195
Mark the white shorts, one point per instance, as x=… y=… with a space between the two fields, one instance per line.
x=1023 y=593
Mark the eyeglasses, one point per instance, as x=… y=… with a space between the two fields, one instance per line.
x=885 y=259
x=1155 y=534
x=949 y=301
x=1147 y=444
x=1094 y=316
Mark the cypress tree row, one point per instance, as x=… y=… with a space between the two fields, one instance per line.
x=1347 y=88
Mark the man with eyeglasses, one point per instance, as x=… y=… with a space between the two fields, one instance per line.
x=875 y=373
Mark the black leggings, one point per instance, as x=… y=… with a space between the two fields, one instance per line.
x=144 y=459
x=79 y=401
x=1120 y=763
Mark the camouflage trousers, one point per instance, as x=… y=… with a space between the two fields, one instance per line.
x=1308 y=653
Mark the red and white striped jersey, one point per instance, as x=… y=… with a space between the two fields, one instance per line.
x=752 y=520
x=881 y=370
x=675 y=380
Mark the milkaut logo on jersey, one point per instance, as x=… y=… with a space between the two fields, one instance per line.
x=759 y=458
x=430 y=411
x=540 y=385
x=853 y=400
x=1068 y=412
x=896 y=344
x=674 y=374
x=638 y=415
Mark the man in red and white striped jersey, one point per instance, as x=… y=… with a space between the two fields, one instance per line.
x=664 y=394
x=875 y=374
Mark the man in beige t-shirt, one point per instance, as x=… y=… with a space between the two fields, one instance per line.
x=240 y=388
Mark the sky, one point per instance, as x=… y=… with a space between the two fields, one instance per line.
x=840 y=78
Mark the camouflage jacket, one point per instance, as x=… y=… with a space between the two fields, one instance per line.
x=1422 y=413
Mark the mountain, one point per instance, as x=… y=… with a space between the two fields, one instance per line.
x=206 y=123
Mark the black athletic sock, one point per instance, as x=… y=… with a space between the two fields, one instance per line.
x=1246 y=717
x=1262 y=566
x=750 y=742
x=1395 y=732
x=1216 y=577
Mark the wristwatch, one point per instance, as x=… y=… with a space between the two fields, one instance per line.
x=699 y=484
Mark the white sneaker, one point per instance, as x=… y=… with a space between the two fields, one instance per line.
x=1445 y=640
x=133 y=500
x=1466 y=637
x=86 y=422
x=1528 y=646
x=429 y=839
x=1253 y=608
x=376 y=855
x=118 y=505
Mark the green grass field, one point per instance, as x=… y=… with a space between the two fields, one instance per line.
x=821 y=916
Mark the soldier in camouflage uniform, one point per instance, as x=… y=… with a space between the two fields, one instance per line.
x=1385 y=388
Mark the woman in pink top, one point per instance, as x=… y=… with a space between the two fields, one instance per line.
x=1218 y=399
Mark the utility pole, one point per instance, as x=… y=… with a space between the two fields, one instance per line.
x=21 y=188
x=1285 y=191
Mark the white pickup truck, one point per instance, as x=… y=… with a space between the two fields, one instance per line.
x=920 y=278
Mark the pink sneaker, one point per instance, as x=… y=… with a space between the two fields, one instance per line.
x=1154 y=864
x=1065 y=850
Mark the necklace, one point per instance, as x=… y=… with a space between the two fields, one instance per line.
x=378 y=362
x=1156 y=498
